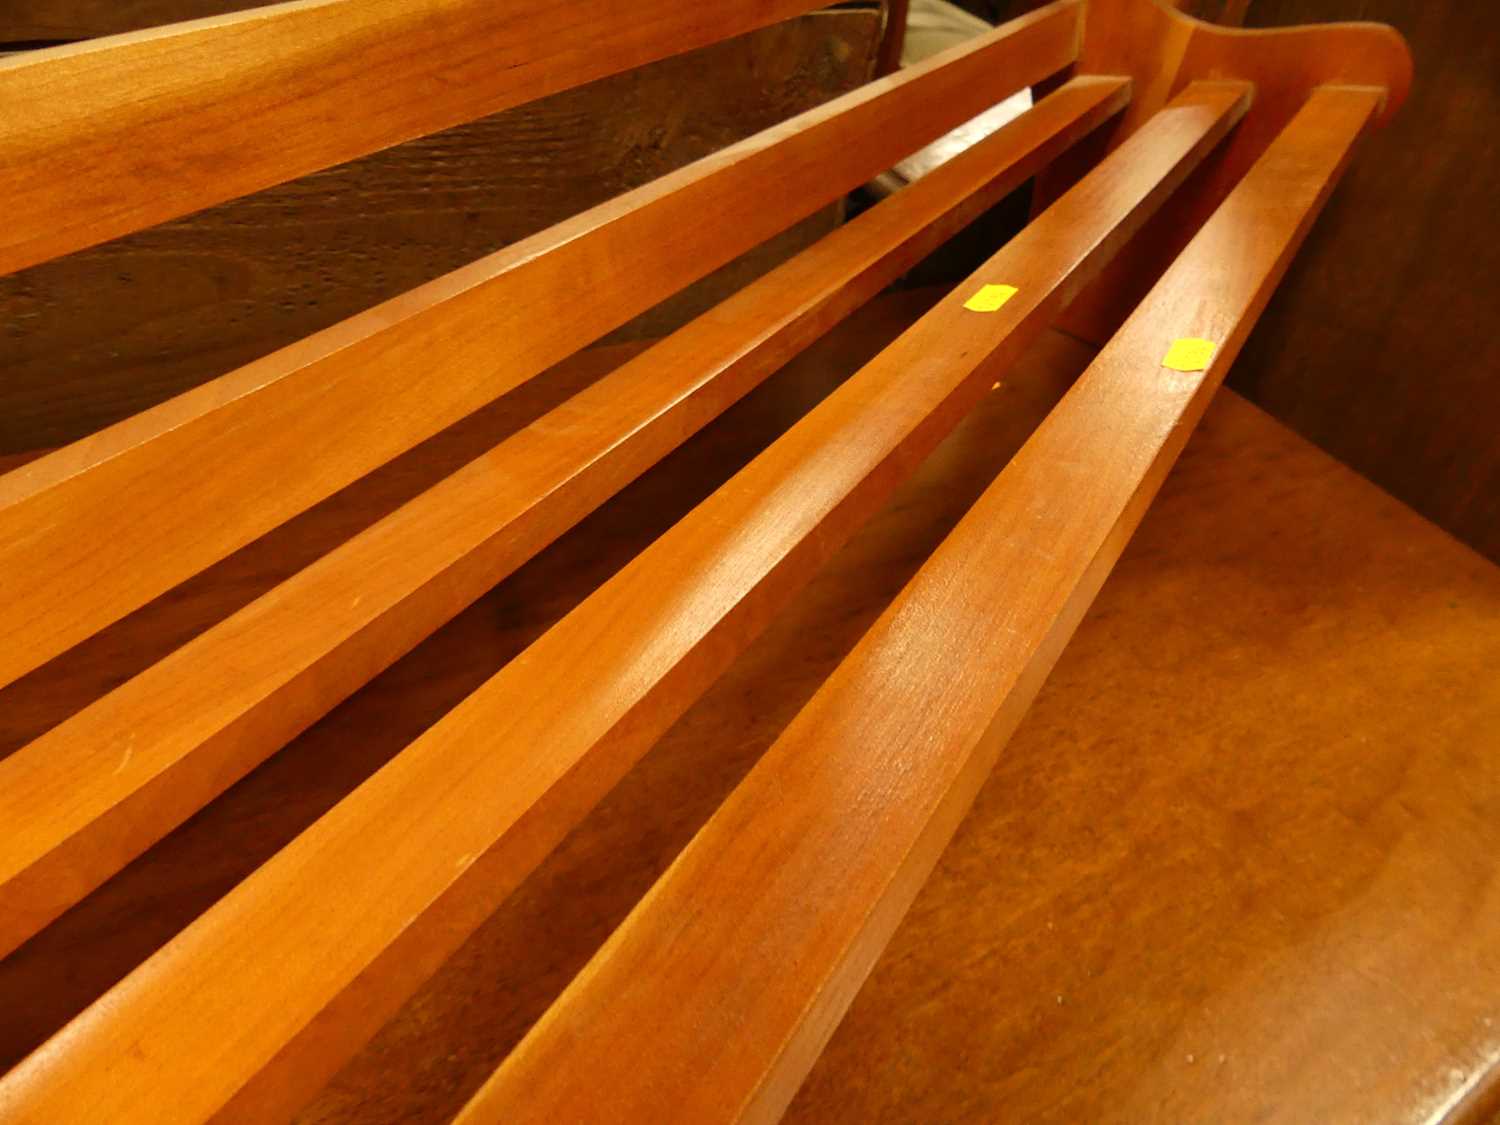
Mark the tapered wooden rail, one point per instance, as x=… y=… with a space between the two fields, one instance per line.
x=95 y=530
x=89 y=796
x=415 y=858
x=711 y=1002
x=222 y=107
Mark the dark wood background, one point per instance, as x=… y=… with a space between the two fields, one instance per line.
x=1381 y=346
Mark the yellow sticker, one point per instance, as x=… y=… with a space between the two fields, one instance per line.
x=990 y=297
x=1189 y=354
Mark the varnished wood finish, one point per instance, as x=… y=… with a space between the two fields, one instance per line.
x=417 y=857
x=43 y=984
x=1163 y=50
x=95 y=530
x=714 y=999
x=1236 y=865
x=115 y=135
x=173 y=306
x=87 y=797
x=1254 y=793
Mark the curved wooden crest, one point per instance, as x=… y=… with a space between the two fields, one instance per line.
x=1162 y=51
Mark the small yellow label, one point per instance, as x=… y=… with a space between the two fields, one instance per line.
x=1189 y=354
x=990 y=297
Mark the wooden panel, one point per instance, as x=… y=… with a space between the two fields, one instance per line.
x=418 y=856
x=81 y=803
x=1380 y=349
x=126 y=132
x=97 y=529
x=1163 y=50
x=170 y=307
x=714 y=999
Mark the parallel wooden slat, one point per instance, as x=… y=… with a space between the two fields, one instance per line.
x=710 y=1003
x=97 y=790
x=256 y=1002
x=119 y=134
x=178 y=303
x=97 y=529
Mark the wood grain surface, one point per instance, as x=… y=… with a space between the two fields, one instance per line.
x=93 y=531
x=714 y=998
x=171 y=307
x=419 y=855
x=1376 y=348
x=1162 y=50
x=1236 y=864
x=94 y=792
x=1251 y=802
x=114 y=135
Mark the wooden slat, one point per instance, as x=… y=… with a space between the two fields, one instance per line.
x=97 y=790
x=712 y=1000
x=115 y=135
x=263 y=996
x=1162 y=50
x=97 y=529
x=172 y=306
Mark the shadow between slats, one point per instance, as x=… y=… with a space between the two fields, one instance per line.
x=64 y=968
x=444 y=1042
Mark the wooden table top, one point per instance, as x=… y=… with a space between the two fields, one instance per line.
x=1239 y=863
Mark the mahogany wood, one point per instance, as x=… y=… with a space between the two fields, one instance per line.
x=414 y=860
x=1163 y=50
x=715 y=997
x=173 y=306
x=95 y=791
x=1254 y=793
x=95 y=530
x=122 y=133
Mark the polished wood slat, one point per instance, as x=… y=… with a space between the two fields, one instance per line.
x=97 y=529
x=173 y=306
x=122 y=133
x=713 y=1000
x=1236 y=865
x=91 y=794
x=346 y=921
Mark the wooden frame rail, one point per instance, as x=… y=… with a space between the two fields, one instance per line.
x=714 y=997
x=80 y=803
x=93 y=531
